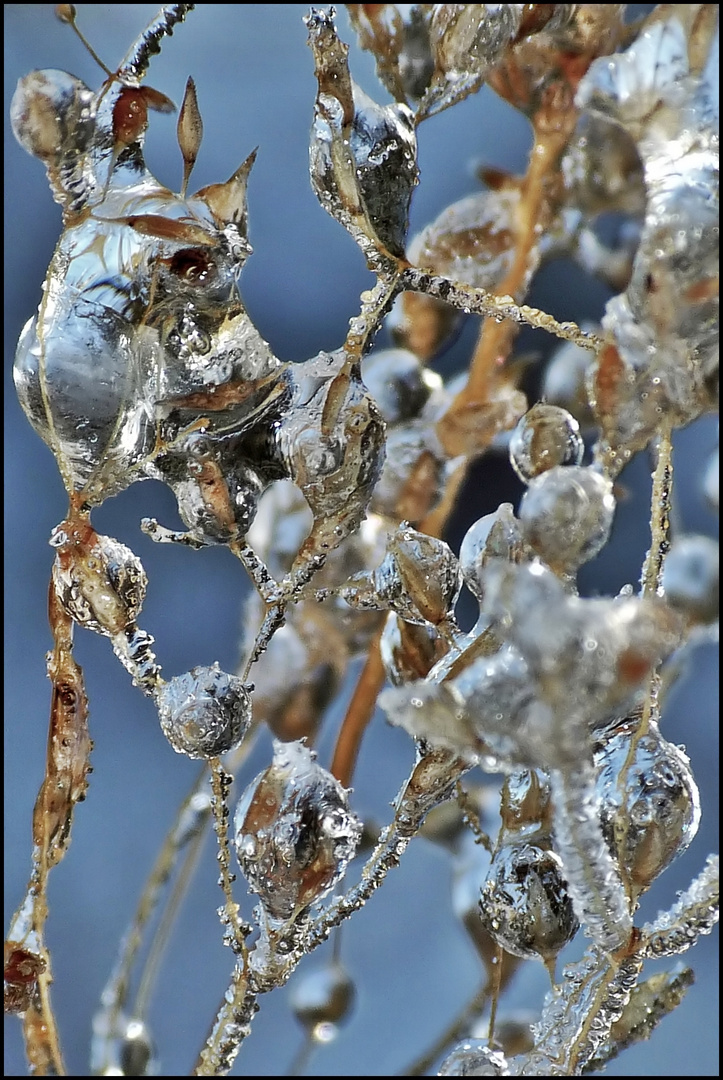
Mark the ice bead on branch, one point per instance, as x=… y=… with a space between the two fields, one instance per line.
x=695 y=912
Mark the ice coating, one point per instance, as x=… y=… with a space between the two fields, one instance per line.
x=140 y=295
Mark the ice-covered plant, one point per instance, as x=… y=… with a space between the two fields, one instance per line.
x=540 y=759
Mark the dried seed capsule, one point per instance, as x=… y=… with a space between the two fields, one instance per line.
x=649 y=804
x=320 y=999
x=205 y=712
x=100 y=582
x=22 y=968
x=546 y=436
x=691 y=577
x=524 y=902
x=566 y=515
x=294 y=832
x=474 y=1057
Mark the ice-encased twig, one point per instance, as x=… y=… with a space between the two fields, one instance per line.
x=592 y=876
x=694 y=913
x=579 y=1013
x=649 y=1002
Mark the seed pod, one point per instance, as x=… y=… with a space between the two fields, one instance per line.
x=205 y=712
x=420 y=577
x=322 y=998
x=546 y=436
x=294 y=832
x=100 y=582
x=649 y=803
x=566 y=515
x=524 y=903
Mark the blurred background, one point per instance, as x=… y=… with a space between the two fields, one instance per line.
x=411 y=962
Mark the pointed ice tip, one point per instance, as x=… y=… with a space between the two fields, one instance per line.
x=227 y=202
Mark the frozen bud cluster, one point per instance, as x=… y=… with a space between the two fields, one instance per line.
x=294 y=832
x=649 y=803
x=544 y=438
x=566 y=515
x=205 y=712
x=660 y=363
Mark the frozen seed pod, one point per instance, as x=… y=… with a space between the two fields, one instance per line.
x=100 y=582
x=399 y=383
x=205 y=712
x=294 y=832
x=409 y=650
x=363 y=156
x=564 y=382
x=474 y=1057
x=322 y=998
x=496 y=535
x=121 y=1046
x=524 y=902
x=566 y=515
x=649 y=803
x=412 y=478
x=420 y=577
x=691 y=576
x=546 y=436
